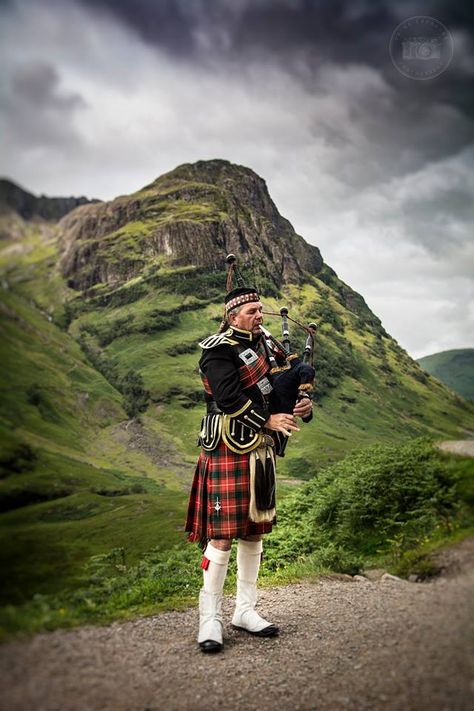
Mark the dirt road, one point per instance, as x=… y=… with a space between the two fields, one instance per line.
x=344 y=644
x=465 y=447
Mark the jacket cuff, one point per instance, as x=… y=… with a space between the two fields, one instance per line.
x=252 y=416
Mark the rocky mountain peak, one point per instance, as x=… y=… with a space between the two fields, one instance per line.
x=192 y=215
x=241 y=183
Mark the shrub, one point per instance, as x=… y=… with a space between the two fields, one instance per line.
x=376 y=500
x=16 y=457
x=332 y=364
x=136 y=398
x=37 y=396
x=322 y=312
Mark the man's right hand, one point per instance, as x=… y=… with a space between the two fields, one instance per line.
x=282 y=422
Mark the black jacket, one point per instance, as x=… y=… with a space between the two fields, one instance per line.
x=236 y=376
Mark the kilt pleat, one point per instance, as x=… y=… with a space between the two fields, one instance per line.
x=220 y=497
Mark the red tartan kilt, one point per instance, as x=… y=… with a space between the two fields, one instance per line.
x=220 y=497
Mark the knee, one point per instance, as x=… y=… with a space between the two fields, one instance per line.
x=222 y=544
x=254 y=539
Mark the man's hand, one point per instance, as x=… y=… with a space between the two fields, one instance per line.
x=282 y=422
x=303 y=407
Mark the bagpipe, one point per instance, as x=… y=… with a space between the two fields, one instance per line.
x=292 y=376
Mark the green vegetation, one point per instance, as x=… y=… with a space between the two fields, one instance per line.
x=76 y=477
x=56 y=516
x=102 y=401
x=454 y=368
x=381 y=501
x=390 y=506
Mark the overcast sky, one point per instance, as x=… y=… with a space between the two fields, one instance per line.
x=99 y=97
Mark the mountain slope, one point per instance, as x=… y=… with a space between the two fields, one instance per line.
x=188 y=217
x=101 y=319
x=149 y=311
x=454 y=368
x=73 y=481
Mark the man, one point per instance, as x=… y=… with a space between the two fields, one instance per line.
x=232 y=494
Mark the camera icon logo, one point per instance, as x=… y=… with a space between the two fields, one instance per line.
x=421 y=47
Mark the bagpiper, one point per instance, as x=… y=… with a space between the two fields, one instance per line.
x=233 y=490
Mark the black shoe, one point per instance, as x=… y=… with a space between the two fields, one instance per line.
x=270 y=631
x=210 y=646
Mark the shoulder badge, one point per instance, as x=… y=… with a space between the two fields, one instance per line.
x=219 y=339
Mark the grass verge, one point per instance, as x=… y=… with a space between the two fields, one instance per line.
x=385 y=506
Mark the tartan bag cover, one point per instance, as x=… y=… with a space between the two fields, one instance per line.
x=220 y=497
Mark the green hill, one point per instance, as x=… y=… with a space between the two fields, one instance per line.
x=454 y=368
x=101 y=398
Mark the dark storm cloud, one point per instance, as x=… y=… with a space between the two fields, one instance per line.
x=167 y=23
x=315 y=30
x=36 y=109
x=348 y=30
x=38 y=84
x=301 y=36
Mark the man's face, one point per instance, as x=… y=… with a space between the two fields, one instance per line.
x=249 y=317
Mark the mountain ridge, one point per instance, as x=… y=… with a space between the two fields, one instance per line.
x=17 y=200
x=193 y=215
x=454 y=368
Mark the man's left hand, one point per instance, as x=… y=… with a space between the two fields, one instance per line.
x=303 y=408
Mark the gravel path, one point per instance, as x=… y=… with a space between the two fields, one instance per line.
x=465 y=447
x=345 y=644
